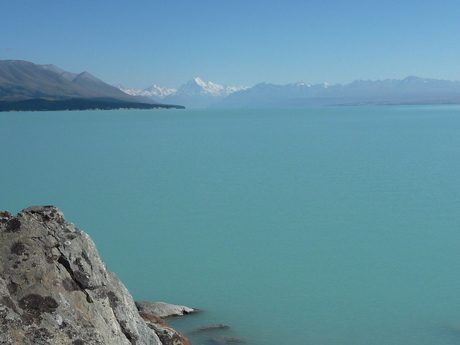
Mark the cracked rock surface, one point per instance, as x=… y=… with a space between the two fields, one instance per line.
x=55 y=289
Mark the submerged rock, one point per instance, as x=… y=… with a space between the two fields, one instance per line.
x=209 y=328
x=163 y=310
x=55 y=289
x=228 y=340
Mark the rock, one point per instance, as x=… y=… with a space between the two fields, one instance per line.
x=55 y=289
x=209 y=328
x=165 y=332
x=228 y=340
x=163 y=310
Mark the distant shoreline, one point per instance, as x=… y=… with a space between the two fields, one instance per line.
x=39 y=104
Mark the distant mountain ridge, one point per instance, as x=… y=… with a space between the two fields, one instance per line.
x=195 y=93
x=155 y=92
x=22 y=80
x=411 y=90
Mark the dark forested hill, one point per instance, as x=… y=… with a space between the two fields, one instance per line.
x=40 y=104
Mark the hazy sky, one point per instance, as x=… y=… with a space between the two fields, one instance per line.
x=167 y=42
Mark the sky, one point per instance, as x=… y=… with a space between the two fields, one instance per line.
x=138 y=43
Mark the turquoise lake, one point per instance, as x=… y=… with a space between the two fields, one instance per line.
x=315 y=226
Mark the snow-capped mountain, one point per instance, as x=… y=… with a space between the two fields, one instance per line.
x=198 y=86
x=155 y=92
x=195 y=93
x=410 y=90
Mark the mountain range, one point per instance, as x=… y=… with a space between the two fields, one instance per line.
x=411 y=90
x=28 y=86
x=42 y=87
x=20 y=80
x=193 y=94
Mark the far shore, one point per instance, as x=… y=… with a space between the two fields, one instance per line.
x=40 y=104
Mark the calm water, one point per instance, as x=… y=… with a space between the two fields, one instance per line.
x=320 y=226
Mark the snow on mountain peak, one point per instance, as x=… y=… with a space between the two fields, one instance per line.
x=199 y=82
x=152 y=91
x=197 y=86
x=301 y=84
x=194 y=88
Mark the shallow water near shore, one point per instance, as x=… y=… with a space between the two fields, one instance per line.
x=322 y=226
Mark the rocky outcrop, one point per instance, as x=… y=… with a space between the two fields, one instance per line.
x=165 y=332
x=55 y=289
x=163 y=310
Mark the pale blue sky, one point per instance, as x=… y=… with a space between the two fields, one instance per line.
x=141 y=42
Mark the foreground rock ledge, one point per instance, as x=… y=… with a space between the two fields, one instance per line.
x=164 y=310
x=55 y=289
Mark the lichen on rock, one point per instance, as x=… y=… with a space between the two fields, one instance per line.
x=55 y=289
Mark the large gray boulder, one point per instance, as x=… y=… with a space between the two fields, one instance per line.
x=55 y=289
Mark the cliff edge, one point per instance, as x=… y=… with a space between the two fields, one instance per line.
x=55 y=289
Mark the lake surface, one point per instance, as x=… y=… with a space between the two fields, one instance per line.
x=321 y=226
